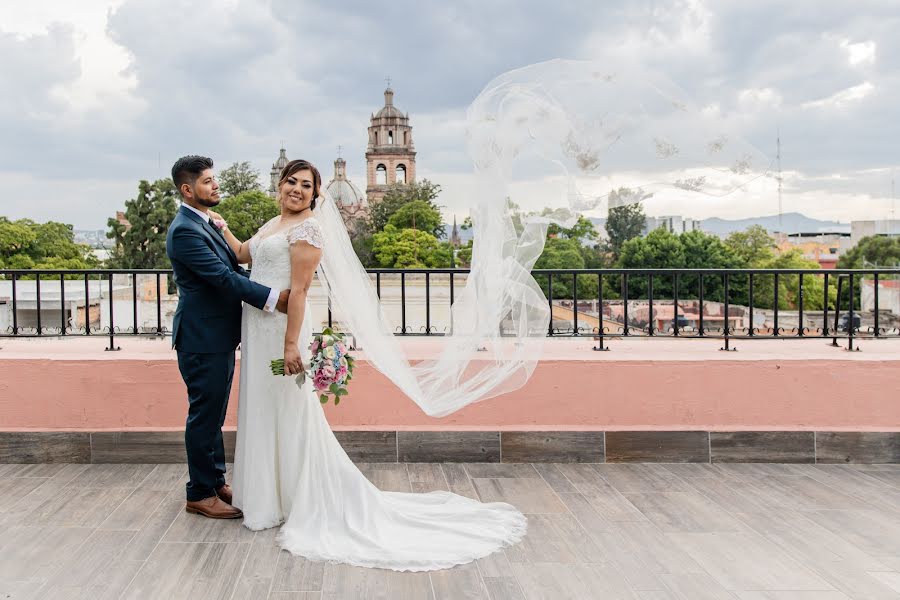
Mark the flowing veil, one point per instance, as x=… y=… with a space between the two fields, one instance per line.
x=609 y=138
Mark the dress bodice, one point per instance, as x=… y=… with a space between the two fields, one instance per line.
x=270 y=251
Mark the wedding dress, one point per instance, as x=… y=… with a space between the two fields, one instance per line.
x=290 y=470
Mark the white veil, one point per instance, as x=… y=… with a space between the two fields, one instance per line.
x=602 y=131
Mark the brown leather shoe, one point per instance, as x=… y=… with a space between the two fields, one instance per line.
x=224 y=493
x=214 y=508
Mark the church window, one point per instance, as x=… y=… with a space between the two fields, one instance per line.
x=404 y=139
x=390 y=137
x=380 y=175
x=401 y=173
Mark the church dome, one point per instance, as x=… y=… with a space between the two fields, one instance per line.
x=389 y=110
x=282 y=160
x=342 y=190
x=345 y=193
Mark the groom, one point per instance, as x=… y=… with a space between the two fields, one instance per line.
x=207 y=329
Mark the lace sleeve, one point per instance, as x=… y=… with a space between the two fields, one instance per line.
x=308 y=231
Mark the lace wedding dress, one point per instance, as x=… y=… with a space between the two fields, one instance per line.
x=290 y=470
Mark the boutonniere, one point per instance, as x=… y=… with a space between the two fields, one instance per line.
x=220 y=225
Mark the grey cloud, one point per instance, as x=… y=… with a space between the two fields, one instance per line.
x=234 y=82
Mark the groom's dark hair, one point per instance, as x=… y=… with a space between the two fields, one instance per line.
x=188 y=168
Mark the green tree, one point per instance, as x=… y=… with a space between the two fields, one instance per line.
x=565 y=253
x=238 y=178
x=398 y=195
x=705 y=251
x=364 y=247
x=754 y=246
x=660 y=249
x=420 y=215
x=464 y=256
x=442 y=257
x=15 y=236
x=872 y=251
x=25 y=244
x=247 y=211
x=408 y=249
x=143 y=244
x=626 y=218
x=582 y=230
x=789 y=285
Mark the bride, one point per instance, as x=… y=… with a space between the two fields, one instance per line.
x=289 y=468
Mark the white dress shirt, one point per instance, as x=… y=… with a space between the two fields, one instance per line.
x=273 y=294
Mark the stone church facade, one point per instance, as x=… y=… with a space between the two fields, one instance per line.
x=391 y=153
x=390 y=160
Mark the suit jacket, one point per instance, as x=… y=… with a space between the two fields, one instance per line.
x=211 y=286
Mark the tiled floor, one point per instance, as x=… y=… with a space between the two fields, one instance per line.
x=638 y=531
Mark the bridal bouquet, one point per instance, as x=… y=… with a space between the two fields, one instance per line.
x=331 y=366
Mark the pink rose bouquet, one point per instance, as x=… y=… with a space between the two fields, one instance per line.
x=330 y=368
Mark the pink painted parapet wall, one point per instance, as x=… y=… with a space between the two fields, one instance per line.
x=640 y=385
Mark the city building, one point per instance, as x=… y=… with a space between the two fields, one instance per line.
x=672 y=223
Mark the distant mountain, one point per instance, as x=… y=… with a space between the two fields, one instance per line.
x=790 y=223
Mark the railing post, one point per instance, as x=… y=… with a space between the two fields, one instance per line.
x=159 y=327
x=599 y=347
x=37 y=287
x=14 y=306
x=87 y=304
x=837 y=312
x=112 y=324
x=402 y=303
x=875 y=291
x=625 y=303
x=427 y=304
x=727 y=347
x=550 y=302
x=675 y=304
x=800 y=305
x=825 y=309
x=650 y=296
x=451 y=302
x=751 y=333
x=574 y=304
x=775 y=324
x=701 y=333
x=134 y=308
x=62 y=304
x=850 y=321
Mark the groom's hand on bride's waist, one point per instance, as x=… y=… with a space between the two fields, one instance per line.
x=282 y=304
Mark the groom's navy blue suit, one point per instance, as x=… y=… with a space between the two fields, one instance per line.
x=206 y=331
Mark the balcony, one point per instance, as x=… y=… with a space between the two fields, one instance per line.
x=677 y=441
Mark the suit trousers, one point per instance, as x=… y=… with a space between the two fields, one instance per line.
x=208 y=378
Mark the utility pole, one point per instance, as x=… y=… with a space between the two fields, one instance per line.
x=778 y=157
x=893 y=202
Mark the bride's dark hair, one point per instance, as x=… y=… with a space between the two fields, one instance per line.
x=303 y=165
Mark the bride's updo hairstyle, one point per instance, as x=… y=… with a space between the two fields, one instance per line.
x=302 y=165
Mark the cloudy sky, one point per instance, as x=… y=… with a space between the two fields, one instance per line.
x=99 y=94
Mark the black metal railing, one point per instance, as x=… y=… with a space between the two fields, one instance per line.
x=600 y=304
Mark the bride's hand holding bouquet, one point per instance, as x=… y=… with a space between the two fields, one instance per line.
x=330 y=368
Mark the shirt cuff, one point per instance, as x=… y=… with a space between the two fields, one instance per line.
x=272 y=301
